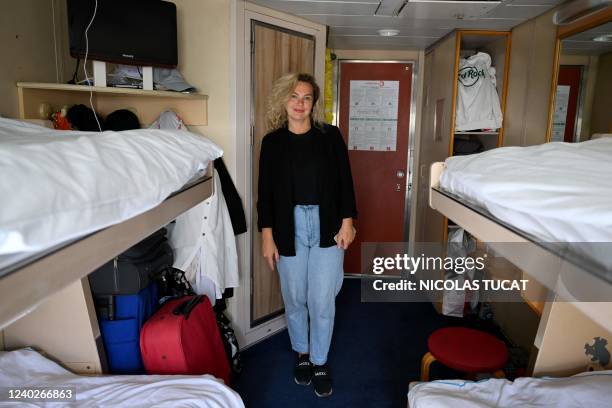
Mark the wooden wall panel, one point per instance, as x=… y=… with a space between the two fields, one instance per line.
x=529 y=84
x=563 y=339
x=276 y=53
x=28 y=49
x=65 y=327
x=438 y=94
x=601 y=117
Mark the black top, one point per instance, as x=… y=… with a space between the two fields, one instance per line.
x=275 y=193
x=305 y=168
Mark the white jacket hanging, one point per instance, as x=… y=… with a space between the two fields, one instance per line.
x=477 y=100
x=205 y=246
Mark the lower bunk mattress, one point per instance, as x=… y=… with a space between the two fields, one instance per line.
x=590 y=390
x=28 y=368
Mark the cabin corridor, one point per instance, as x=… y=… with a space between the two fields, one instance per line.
x=376 y=351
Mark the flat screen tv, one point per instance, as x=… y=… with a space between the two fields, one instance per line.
x=133 y=32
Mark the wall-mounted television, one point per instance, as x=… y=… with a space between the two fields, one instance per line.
x=133 y=32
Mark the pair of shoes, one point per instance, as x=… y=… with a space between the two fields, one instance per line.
x=302 y=372
x=321 y=379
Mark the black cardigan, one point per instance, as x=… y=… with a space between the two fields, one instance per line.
x=275 y=198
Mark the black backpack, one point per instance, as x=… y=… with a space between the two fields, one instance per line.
x=232 y=350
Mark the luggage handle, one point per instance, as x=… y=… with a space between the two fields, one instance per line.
x=187 y=307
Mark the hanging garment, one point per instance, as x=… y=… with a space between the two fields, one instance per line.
x=477 y=100
x=232 y=198
x=205 y=246
x=203 y=237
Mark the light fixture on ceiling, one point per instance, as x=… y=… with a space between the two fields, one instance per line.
x=603 y=38
x=388 y=32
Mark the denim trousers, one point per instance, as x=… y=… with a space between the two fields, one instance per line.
x=310 y=281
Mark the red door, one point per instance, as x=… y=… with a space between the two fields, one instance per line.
x=378 y=148
x=569 y=75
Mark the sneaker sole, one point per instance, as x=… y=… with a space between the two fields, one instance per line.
x=323 y=395
x=301 y=383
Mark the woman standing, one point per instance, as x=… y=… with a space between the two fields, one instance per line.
x=306 y=205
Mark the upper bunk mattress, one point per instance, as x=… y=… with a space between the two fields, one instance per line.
x=61 y=185
x=555 y=192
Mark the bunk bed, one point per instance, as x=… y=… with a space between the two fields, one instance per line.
x=506 y=198
x=78 y=199
x=47 y=306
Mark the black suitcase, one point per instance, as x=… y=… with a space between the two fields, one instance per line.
x=130 y=272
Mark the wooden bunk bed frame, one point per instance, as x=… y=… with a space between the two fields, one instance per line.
x=46 y=299
x=24 y=288
x=535 y=260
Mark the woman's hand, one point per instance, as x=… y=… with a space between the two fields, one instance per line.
x=268 y=248
x=346 y=235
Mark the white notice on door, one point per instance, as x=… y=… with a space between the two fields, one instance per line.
x=373 y=115
x=560 y=115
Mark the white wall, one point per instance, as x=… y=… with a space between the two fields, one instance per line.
x=28 y=48
x=204 y=61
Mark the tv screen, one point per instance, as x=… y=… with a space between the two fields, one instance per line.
x=133 y=32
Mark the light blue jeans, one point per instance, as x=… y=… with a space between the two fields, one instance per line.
x=310 y=281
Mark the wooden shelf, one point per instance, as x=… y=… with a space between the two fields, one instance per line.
x=467 y=132
x=109 y=89
x=191 y=107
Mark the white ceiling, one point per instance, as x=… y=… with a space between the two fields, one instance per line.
x=353 y=24
x=582 y=43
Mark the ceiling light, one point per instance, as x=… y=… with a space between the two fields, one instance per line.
x=388 y=32
x=603 y=38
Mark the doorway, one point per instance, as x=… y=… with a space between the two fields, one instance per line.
x=375 y=102
x=275 y=51
x=566 y=103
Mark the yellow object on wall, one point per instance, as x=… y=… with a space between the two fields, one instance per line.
x=328 y=97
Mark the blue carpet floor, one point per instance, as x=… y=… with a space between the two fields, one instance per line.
x=376 y=351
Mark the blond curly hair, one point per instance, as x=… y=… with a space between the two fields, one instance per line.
x=276 y=114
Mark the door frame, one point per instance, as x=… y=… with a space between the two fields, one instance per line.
x=242 y=15
x=410 y=162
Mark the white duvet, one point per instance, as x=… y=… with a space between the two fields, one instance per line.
x=59 y=185
x=27 y=368
x=556 y=192
x=588 y=390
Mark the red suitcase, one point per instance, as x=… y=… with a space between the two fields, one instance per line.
x=182 y=337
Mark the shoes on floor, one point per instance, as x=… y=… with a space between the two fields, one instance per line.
x=321 y=380
x=302 y=372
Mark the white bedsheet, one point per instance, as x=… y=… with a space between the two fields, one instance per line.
x=27 y=368
x=59 y=185
x=588 y=390
x=557 y=192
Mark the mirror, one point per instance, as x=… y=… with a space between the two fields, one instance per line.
x=582 y=98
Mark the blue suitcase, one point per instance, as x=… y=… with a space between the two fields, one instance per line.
x=121 y=335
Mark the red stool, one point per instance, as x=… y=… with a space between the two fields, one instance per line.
x=463 y=349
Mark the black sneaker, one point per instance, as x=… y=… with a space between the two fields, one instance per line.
x=321 y=380
x=302 y=373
